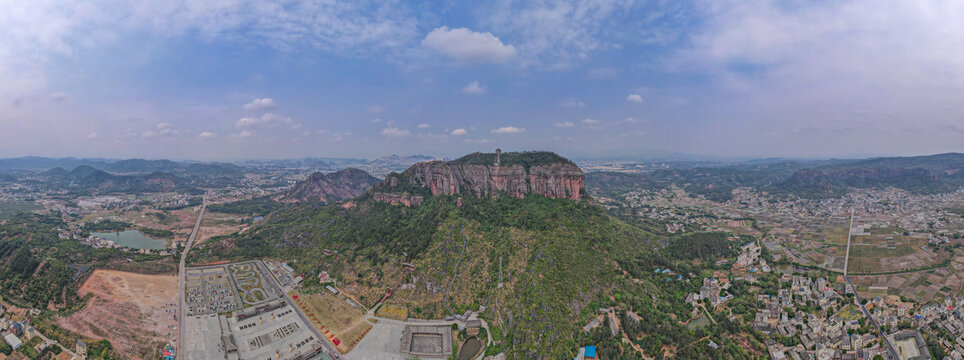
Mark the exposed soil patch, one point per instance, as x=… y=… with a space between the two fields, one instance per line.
x=135 y=312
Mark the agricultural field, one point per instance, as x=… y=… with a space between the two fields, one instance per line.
x=9 y=208
x=878 y=250
x=921 y=286
x=334 y=317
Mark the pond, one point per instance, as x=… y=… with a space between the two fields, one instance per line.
x=701 y=321
x=133 y=239
x=470 y=348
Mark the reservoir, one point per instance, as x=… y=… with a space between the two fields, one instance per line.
x=470 y=348
x=132 y=238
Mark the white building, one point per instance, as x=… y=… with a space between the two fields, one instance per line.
x=13 y=340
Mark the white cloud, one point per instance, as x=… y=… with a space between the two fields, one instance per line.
x=508 y=130
x=39 y=35
x=592 y=124
x=266 y=120
x=92 y=136
x=394 y=132
x=467 y=45
x=821 y=64
x=161 y=129
x=474 y=88
x=635 y=98
x=204 y=135
x=375 y=109
x=557 y=34
x=564 y=124
x=459 y=132
x=572 y=103
x=628 y=120
x=424 y=126
x=242 y=134
x=260 y=104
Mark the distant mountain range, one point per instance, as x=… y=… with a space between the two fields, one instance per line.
x=88 y=180
x=807 y=179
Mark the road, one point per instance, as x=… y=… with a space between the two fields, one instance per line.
x=857 y=301
x=335 y=354
x=455 y=272
x=181 y=276
x=62 y=347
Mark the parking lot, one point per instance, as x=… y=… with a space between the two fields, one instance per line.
x=209 y=291
x=273 y=331
x=236 y=311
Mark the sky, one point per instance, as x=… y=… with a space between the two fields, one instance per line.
x=239 y=79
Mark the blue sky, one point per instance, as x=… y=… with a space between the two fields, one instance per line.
x=236 y=79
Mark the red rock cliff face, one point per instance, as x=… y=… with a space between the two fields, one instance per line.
x=397 y=199
x=556 y=180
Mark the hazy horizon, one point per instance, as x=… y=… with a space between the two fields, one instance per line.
x=232 y=80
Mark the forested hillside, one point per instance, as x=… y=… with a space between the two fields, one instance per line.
x=539 y=267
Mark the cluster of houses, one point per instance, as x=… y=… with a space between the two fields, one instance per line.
x=13 y=331
x=711 y=293
x=947 y=315
x=833 y=337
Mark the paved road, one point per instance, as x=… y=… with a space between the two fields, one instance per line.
x=62 y=348
x=335 y=354
x=857 y=301
x=180 y=279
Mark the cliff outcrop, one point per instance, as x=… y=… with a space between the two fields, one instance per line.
x=515 y=174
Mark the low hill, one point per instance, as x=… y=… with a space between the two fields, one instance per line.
x=88 y=180
x=343 y=184
x=806 y=179
x=917 y=174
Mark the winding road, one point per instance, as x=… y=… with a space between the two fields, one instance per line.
x=455 y=274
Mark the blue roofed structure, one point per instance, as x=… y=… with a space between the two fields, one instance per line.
x=591 y=351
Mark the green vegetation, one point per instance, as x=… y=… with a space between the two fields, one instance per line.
x=34 y=260
x=256 y=206
x=10 y=208
x=558 y=266
x=526 y=159
x=164 y=217
x=922 y=175
x=555 y=250
x=106 y=225
x=156 y=233
x=192 y=201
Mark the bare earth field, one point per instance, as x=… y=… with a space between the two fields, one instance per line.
x=215 y=224
x=135 y=312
